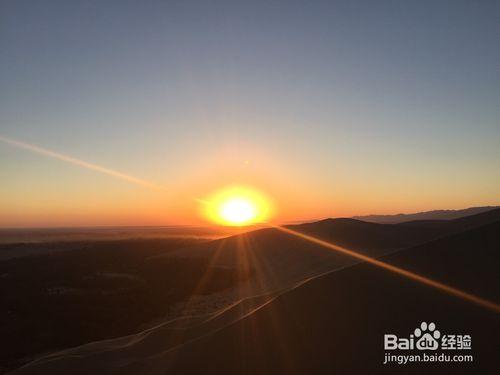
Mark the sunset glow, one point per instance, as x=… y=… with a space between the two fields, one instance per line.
x=142 y=116
x=237 y=206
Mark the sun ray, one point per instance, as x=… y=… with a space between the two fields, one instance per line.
x=81 y=163
x=238 y=214
x=400 y=271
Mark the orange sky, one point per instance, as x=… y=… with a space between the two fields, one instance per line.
x=46 y=191
x=328 y=108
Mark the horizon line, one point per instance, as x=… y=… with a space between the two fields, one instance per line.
x=208 y=225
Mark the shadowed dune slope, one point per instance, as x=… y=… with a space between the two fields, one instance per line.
x=278 y=259
x=333 y=323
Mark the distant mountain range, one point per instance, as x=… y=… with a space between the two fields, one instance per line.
x=426 y=215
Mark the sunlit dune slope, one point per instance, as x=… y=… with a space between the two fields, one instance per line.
x=334 y=321
x=277 y=259
x=337 y=321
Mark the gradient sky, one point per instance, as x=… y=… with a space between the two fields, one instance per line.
x=334 y=108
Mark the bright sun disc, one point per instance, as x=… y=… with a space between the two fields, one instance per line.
x=238 y=211
x=237 y=206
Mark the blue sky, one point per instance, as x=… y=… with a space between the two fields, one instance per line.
x=356 y=98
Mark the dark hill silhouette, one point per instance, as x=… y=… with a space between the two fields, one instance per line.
x=457 y=225
x=331 y=323
x=335 y=323
x=426 y=215
x=279 y=259
x=272 y=260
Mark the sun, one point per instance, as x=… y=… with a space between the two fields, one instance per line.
x=238 y=211
x=237 y=206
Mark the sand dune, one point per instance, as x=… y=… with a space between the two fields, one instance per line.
x=326 y=321
x=336 y=322
x=271 y=260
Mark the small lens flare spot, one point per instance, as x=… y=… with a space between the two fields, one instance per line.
x=237 y=206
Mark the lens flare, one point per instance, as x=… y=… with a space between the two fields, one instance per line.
x=81 y=163
x=237 y=206
x=400 y=271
